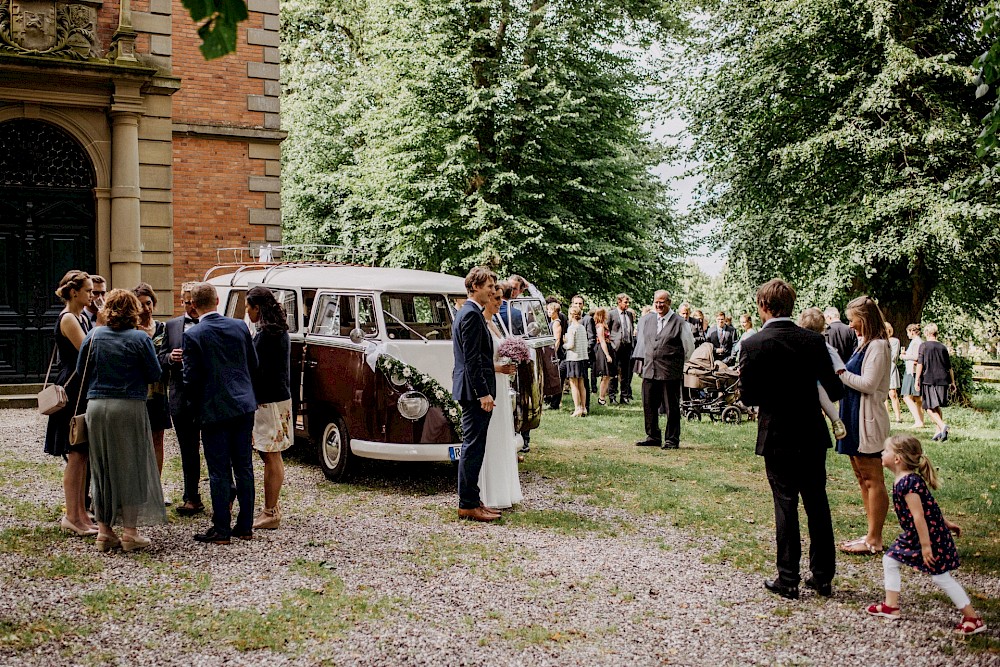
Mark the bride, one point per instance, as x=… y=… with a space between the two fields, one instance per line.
x=499 y=485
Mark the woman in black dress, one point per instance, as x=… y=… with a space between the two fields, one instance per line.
x=272 y=428
x=70 y=330
x=156 y=403
x=933 y=377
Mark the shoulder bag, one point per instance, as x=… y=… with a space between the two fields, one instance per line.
x=78 y=424
x=52 y=398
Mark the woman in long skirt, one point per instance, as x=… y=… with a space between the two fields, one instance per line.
x=120 y=364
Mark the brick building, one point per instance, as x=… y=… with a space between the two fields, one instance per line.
x=123 y=152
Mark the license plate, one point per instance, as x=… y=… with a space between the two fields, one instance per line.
x=455 y=453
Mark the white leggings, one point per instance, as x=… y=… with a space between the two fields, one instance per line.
x=829 y=407
x=947 y=583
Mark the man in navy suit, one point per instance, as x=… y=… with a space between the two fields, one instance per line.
x=780 y=367
x=474 y=385
x=185 y=421
x=722 y=337
x=219 y=361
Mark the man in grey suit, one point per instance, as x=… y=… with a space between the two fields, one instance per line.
x=839 y=335
x=667 y=342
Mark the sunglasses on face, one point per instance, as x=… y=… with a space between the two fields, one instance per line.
x=98 y=293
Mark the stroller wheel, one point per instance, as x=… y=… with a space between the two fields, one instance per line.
x=692 y=415
x=732 y=415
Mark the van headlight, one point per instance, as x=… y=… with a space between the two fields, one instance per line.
x=413 y=405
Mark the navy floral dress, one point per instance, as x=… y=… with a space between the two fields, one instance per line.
x=906 y=548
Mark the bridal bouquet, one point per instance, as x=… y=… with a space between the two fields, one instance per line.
x=515 y=349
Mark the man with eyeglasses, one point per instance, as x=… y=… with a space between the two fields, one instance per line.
x=185 y=424
x=96 y=299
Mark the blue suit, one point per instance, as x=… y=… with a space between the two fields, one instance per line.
x=515 y=325
x=219 y=362
x=473 y=378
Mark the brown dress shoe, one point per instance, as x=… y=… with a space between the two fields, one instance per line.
x=477 y=514
x=489 y=510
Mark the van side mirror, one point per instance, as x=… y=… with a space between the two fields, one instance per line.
x=533 y=329
x=357 y=336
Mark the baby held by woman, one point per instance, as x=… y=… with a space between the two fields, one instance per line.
x=812 y=319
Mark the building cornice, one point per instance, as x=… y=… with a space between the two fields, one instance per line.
x=252 y=134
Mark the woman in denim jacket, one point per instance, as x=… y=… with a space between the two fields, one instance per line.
x=126 y=482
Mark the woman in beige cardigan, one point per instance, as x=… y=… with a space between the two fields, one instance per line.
x=862 y=409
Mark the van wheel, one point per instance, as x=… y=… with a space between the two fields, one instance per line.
x=335 y=450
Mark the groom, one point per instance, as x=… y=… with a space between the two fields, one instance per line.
x=474 y=384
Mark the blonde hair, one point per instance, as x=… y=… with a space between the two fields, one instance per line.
x=812 y=319
x=73 y=280
x=888 y=329
x=575 y=312
x=911 y=454
x=601 y=316
x=930 y=329
x=872 y=321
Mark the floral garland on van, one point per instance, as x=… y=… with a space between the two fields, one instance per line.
x=437 y=395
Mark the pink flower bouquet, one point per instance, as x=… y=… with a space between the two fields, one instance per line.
x=514 y=349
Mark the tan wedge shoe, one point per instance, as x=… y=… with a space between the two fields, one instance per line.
x=268 y=519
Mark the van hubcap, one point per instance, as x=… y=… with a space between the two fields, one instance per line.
x=332 y=446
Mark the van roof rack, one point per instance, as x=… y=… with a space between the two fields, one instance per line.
x=257 y=256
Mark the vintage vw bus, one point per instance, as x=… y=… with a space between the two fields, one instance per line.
x=372 y=357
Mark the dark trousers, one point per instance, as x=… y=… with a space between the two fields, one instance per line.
x=587 y=370
x=475 y=424
x=665 y=395
x=590 y=372
x=793 y=474
x=189 y=441
x=228 y=455
x=623 y=377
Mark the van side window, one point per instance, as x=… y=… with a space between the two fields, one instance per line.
x=289 y=300
x=236 y=306
x=367 y=321
x=347 y=319
x=327 y=319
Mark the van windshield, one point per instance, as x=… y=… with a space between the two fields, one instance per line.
x=410 y=316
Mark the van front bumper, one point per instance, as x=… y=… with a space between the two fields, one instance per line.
x=397 y=451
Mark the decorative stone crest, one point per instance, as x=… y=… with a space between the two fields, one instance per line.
x=48 y=28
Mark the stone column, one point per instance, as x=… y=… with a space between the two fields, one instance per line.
x=126 y=248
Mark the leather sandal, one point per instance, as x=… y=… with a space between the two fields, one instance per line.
x=883 y=610
x=970 y=625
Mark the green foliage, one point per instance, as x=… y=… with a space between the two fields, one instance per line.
x=962 y=366
x=221 y=22
x=440 y=135
x=837 y=138
x=988 y=64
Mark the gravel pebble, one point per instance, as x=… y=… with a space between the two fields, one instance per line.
x=444 y=592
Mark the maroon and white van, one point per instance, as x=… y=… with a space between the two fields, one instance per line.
x=372 y=357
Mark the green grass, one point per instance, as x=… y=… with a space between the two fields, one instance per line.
x=65 y=566
x=26 y=635
x=715 y=484
x=320 y=613
x=30 y=541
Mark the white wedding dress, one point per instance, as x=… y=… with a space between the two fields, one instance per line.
x=499 y=484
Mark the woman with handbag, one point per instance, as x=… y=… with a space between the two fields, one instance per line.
x=70 y=329
x=119 y=363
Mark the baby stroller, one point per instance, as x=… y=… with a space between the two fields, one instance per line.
x=712 y=388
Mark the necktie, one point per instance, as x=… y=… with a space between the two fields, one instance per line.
x=626 y=328
x=659 y=324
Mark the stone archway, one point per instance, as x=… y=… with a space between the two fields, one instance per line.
x=47 y=227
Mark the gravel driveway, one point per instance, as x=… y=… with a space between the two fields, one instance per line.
x=381 y=573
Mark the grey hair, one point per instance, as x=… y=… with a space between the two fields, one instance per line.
x=832 y=312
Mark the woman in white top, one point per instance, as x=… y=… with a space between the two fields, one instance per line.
x=911 y=393
x=575 y=343
x=499 y=485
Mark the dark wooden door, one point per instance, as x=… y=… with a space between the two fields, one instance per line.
x=47 y=227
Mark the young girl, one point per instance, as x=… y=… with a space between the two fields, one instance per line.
x=812 y=319
x=925 y=543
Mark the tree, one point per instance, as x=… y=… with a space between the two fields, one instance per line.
x=838 y=142
x=221 y=19
x=499 y=132
x=988 y=64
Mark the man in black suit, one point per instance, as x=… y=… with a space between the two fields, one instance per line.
x=621 y=324
x=185 y=421
x=839 y=335
x=588 y=325
x=722 y=337
x=474 y=386
x=780 y=367
x=218 y=363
